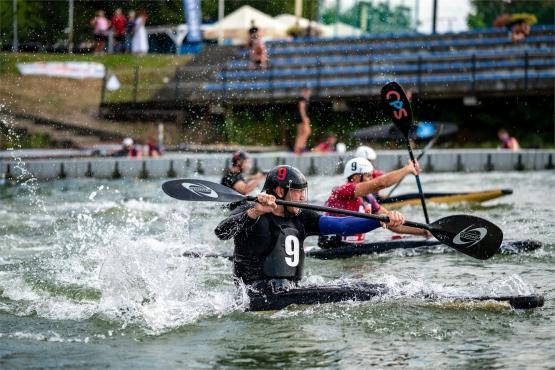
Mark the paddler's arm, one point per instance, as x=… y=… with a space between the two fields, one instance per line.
x=234 y=224
x=244 y=187
x=344 y=226
x=402 y=229
x=382 y=182
x=247 y=218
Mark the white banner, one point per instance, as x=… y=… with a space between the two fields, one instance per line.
x=78 y=70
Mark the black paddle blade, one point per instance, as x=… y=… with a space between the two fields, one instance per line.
x=470 y=235
x=396 y=105
x=200 y=191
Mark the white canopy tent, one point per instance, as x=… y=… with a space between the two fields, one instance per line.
x=235 y=26
x=290 y=21
x=340 y=30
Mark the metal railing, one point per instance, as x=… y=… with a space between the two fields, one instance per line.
x=197 y=83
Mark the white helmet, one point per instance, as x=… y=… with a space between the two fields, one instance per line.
x=340 y=148
x=366 y=152
x=357 y=166
x=127 y=141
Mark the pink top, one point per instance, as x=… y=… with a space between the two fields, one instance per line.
x=343 y=197
x=100 y=25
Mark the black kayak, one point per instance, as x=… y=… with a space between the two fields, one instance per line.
x=347 y=250
x=366 y=292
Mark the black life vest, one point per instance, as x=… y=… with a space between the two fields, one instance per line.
x=286 y=260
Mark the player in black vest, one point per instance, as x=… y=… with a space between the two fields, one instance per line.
x=234 y=178
x=269 y=254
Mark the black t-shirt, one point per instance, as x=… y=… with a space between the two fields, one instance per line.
x=255 y=239
x=231 y=178
x=298 y=118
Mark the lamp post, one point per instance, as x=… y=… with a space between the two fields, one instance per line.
x=15 y=45
x=70 y=28
x=434 y=16
x=221 y=12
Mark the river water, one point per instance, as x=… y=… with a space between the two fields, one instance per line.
x=91 y=277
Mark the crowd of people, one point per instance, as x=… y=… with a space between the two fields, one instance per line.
x=129 y=33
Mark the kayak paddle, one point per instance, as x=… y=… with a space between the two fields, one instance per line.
x=471 y=235
x=396 y=105
x=422 y=153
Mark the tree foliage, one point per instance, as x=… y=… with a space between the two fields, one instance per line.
x=382 y=17
x=45 y=21
x=486 y=11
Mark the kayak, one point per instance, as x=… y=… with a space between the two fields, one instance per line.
x=320 y=295
x=469 y=197
x=346 y=250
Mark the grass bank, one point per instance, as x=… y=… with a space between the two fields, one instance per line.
x=152 y=71
x=77 y=101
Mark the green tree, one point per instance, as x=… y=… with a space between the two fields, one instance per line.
x=44 y=21
x=382 y=17
x=486 y=11
x=37 y=21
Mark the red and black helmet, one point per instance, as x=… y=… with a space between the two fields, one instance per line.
x=285 y=176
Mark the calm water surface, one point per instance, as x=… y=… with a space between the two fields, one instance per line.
x=91 y=277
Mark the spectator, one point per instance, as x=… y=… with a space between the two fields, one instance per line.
x=519 y=31
x=234 y=177
x=258 y=52
x=128 y=149
x=140 y=37
x=303 y=122
x=118 y=25
x=153 y=149
x=507 y=142
x=100 y=25
x=252 y=32
x=518 y=25
x=328 y=145
x=129 y=31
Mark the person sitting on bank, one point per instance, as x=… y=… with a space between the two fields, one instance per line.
x=154 y=150
x=507 y=142
x=328 y=145
x=128 y=149
x=268 y=238
x=234 y=178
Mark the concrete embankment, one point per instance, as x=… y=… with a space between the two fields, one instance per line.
x=182 y=165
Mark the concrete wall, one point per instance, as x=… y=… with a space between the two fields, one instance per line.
x=182 y=165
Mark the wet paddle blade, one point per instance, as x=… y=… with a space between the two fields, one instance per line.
x=200 y=191
x=396 y=105
x=471 y=235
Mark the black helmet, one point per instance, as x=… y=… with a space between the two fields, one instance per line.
x=239 y=156
x=285 y=176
